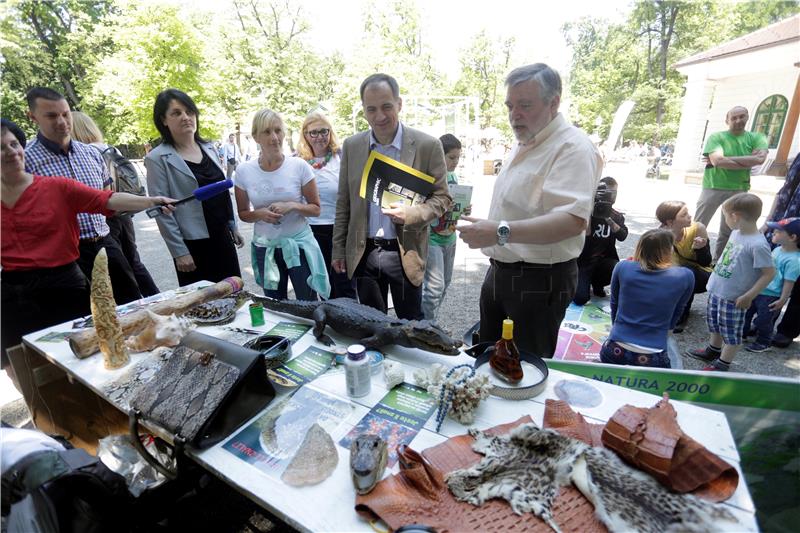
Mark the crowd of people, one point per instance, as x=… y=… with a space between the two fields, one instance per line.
x=550 y=235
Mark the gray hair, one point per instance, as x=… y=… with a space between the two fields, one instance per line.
x=548 y=79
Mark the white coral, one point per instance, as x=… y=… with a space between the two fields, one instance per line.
x=465 y=396
x=393 y=373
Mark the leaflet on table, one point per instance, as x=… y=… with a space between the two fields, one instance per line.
x=293 y=330
x=55 y=336
x=397 y=418
x=270 y=442
x=385 y=181
x=306 y=367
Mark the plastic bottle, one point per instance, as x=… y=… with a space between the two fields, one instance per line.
x=356 y=371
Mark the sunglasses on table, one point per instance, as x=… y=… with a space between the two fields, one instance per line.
x=318 y=133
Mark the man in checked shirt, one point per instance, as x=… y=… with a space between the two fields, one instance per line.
x=54 y=153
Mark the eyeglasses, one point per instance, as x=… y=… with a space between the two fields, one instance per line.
x=318 y=133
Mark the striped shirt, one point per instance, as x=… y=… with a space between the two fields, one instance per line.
x=81 y=162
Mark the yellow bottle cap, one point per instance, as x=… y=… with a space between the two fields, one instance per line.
x=508 y=328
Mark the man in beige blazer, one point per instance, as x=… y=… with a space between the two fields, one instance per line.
x=386 y=249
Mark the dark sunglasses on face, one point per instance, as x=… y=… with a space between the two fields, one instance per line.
x=319 y=133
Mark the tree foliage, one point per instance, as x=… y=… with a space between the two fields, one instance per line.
x=484 y=65
x=50 y=44
x=633 y=59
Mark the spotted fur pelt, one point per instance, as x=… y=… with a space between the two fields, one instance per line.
x=528 y=466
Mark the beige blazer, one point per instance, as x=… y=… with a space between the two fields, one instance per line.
x=420 y=151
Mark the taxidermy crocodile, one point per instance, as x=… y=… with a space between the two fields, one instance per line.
x=373 y=328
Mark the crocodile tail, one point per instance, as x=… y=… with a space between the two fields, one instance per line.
x=298 y=308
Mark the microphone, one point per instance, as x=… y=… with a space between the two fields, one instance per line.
x=201 y=194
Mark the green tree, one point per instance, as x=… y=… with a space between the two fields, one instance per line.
x=393 y=41
x=52 y=44
x=272 y=66
x=484 y=65
x=632 y=60
x=156 y=47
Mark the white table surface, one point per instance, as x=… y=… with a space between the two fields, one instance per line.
x=328 y=506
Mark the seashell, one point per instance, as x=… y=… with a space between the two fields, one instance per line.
x=315 y=460
x=160 y=331
x=393 y=373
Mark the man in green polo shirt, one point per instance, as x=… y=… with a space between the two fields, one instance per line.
x=729 y=156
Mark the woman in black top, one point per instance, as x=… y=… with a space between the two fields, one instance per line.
x=202 y=236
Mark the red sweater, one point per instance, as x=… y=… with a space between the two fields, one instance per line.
x=41 y=230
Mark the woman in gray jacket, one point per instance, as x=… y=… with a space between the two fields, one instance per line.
x=201 y=236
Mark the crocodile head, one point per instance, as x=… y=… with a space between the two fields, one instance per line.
x=368 y=455
x=428 y=336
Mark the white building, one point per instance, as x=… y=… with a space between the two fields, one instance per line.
x=758 y=71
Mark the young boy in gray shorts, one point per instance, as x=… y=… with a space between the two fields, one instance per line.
x=743 y=270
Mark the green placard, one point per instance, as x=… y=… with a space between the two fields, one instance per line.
x=694 y=386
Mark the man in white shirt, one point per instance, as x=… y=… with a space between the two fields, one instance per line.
x=541 y=204
x=232 y=154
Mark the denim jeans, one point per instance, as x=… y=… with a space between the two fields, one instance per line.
x=299 y=276
x=761 y=319
x=438 y=274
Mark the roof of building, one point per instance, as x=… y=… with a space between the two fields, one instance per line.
x=781 y=32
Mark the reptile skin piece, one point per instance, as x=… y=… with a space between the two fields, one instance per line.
x=559 y=415
x=651 y=440
x=418 y=495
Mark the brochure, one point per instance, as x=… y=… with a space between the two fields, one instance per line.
x=397 y=418
x=385 y=181
x=293 y=330
x=310 y=364
x=462 y=197
x=270 y=442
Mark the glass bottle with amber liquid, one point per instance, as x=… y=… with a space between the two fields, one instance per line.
x=505 y=359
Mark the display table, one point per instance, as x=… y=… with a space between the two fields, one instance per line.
x=327 y=506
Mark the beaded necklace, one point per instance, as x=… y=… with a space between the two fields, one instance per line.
x=316 y=165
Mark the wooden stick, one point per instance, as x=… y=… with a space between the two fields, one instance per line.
x=85 y=343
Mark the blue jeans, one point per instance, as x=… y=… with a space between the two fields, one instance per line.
x=762 y=318
x=613 y=353
x=438 y=274
x=299 y=276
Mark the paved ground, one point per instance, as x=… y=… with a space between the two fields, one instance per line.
x=637 y=198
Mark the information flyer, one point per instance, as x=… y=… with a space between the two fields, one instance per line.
x=397 y=418
x=310 y=364
x=292 y=330
x=270 y=442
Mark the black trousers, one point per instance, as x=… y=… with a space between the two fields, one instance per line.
x=122 y=230
x=700 y=281
x=534 y=296
x=37 y=299
x=215 y=258
x=595 y=274
x=341 y=285
x=123 y=281
x=790 y=323
x=381 y=270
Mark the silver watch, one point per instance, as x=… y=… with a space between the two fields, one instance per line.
x=503 y=231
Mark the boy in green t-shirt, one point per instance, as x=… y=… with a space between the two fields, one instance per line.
x=442 y=245
x=729 y=156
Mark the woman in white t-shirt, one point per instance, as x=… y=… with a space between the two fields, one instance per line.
x=277 y=193
x=320 y=148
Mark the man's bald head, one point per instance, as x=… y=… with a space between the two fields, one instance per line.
x=736 y=119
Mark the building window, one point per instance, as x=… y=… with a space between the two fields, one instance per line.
x=770 y=115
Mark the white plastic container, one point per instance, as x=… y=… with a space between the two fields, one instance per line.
x=356 y=371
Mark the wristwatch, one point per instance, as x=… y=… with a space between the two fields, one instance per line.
x=503 y=231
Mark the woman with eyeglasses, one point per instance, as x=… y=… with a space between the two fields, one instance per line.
x=320 y=148
x=277 y=193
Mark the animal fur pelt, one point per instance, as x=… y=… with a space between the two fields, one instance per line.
x=528 y=466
